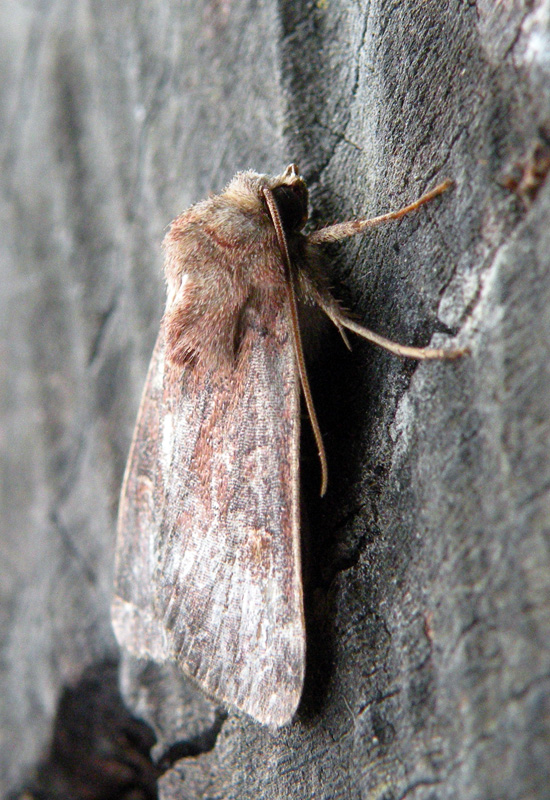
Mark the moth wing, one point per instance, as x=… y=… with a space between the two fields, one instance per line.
x=225 y=561
x=133 y=613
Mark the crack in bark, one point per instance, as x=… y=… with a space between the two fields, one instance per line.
x=204 y=742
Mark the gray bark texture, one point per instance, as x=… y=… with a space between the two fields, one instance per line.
x=427 y=565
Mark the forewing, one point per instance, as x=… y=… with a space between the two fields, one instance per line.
x=224 y=514
x=228 y=551
x=135 y=621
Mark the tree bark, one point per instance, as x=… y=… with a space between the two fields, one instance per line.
x=427 y=565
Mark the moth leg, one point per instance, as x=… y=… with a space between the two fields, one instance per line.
x=343 y=230
x=341 y=320
x=419 y=353
x=340 y=326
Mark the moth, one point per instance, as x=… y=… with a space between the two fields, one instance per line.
x=207 y=568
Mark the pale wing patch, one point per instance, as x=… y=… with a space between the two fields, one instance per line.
x=176 y=290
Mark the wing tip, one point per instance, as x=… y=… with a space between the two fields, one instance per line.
x=271 y=701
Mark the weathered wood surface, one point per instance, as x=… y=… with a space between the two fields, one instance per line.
x=428 y=574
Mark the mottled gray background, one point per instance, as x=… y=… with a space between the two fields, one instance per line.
x=427 y=564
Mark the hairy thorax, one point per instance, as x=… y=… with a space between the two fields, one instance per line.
x=224 y=267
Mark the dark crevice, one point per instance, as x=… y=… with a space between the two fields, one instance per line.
x=189 y=748
x=344 y=562
x=98 y=750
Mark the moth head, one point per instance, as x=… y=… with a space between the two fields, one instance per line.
x=291 y=195
x=245 y=192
